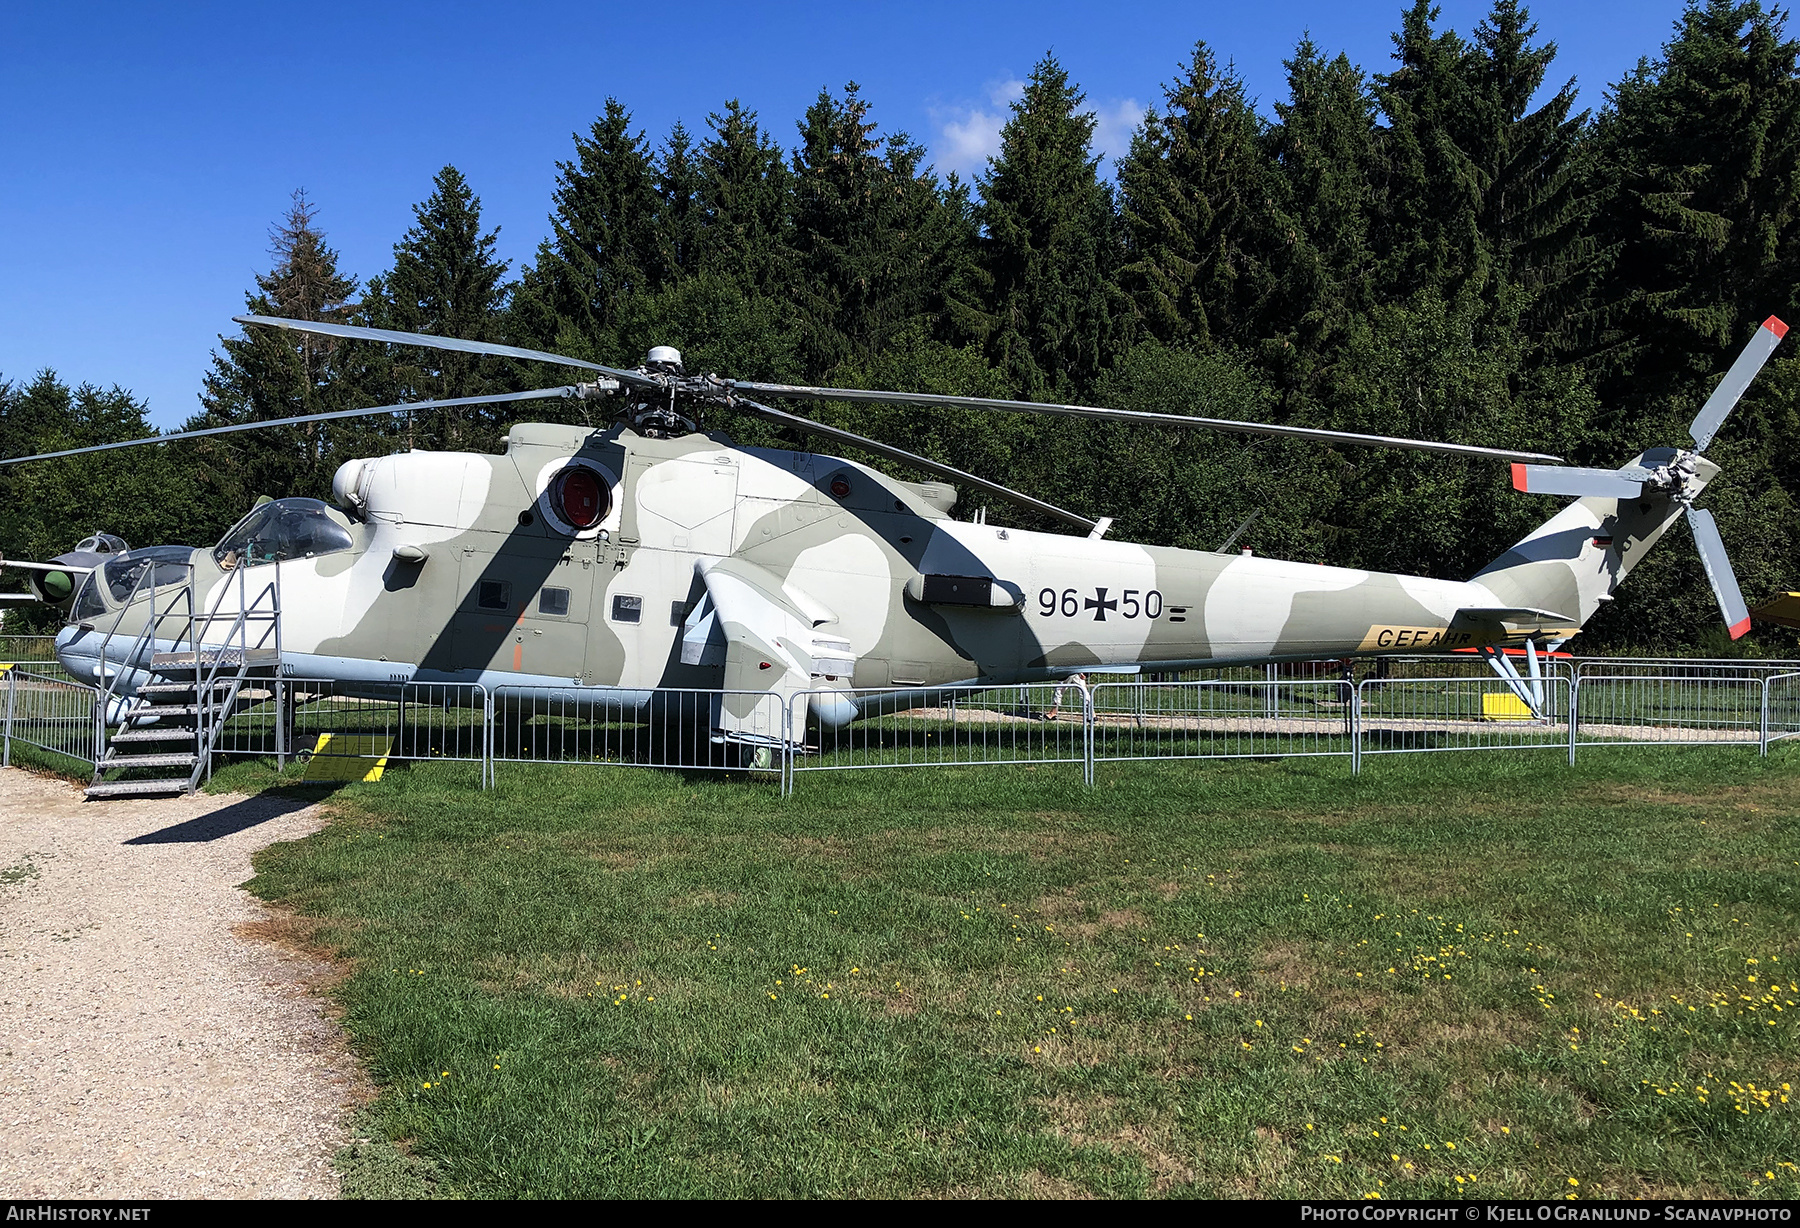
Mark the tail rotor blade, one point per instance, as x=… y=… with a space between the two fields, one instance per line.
x=1718 y=571
x=1578 y=483
x=1725 y=397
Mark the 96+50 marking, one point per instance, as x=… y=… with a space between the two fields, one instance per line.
x=1132 y=603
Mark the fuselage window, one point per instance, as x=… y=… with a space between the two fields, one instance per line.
x=494 y=595
x=554 y=601
x=627 y=609
x=280 y=530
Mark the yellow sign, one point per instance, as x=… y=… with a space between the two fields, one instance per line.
x=343 y=757
x=1504 y=706
x=1418 y=637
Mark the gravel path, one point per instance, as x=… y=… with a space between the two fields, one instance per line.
x=148 y=1049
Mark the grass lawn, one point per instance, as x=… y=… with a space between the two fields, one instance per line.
x=1455 y=974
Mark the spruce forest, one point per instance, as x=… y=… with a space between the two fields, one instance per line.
x=1445 y=248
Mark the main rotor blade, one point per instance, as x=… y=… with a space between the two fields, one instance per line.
x=1718 y=571
x=798 y=392
x=1725 y=397
x=536 y=394
x=1625 y=483
x=770 y=414
x=356 y=332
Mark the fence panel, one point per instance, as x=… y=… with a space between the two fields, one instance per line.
x=1661 y=709
x=1783 y=706
x=956 y=726
x=637 y=728
x=1221 y=720
x=36 y=653
x=412 y=720
x=1679 y=667
x=50 y=713
x=1413 y=715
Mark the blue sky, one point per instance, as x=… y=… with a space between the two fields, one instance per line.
x=148 y=148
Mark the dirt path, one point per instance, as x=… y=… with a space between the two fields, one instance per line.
x=145 y=1049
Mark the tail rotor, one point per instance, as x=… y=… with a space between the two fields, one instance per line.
x=1677 y=477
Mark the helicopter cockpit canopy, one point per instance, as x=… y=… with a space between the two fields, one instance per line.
x=283 y=529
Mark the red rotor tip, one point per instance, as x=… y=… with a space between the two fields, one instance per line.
x=1740 y=628
x=1519 y=482
x=1774 y=325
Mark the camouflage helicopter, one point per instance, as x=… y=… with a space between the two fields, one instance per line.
x=606 y=566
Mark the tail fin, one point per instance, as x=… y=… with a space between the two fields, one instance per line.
x=1574 y=561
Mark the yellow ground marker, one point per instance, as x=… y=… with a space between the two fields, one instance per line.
x=347 y=757
x=1504 y=706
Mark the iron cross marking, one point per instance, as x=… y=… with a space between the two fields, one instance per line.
x=1100 y=605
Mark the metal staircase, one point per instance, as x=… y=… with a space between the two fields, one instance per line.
x=159 y=736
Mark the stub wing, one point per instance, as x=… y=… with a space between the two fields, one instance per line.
x=773 y=647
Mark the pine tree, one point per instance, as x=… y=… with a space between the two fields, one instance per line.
x=1430 y=190
x=1324 y=147
x=679 y=215
x=445 y=281
x=1538 y=200
x=1050 y=240
x=1704 y=146
x=743 y=192
x=875 y=246
x=1197 y=210
x=268 y=373
x=603 y=245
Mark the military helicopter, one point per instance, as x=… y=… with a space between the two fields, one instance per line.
x=605 y=566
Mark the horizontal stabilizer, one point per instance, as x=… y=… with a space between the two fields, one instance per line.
x=1577 y=483
x=1502 y=625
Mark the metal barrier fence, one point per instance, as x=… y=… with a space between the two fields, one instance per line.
x=1041 y=723
x=1679 y=667
x=1408 y=716
x=637 y=728
x=412 y=720
x=1657 y=709
x=51 y=714
x=1781 y=708
x=1222 y=720
x=960 y=726
x=36 y=653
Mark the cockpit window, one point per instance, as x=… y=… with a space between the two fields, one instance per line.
x=102 y=543
x=126 y=573
x=88 y=602
x=281 y=530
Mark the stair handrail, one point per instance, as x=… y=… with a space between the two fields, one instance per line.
x=108 y=685
x=206 y=728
